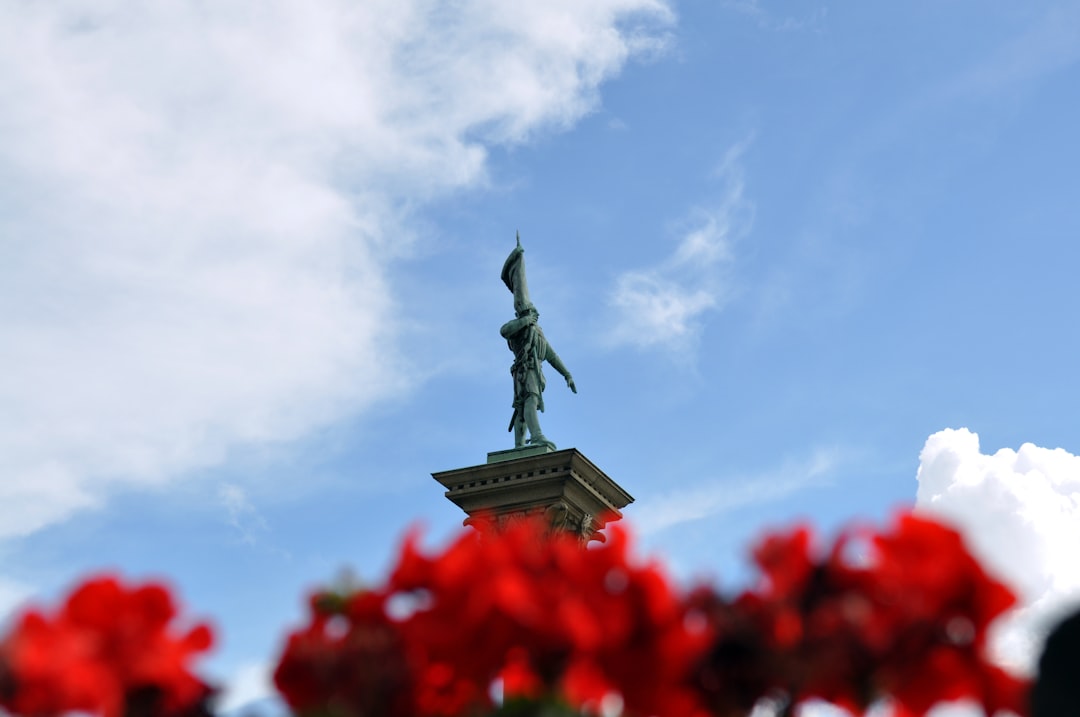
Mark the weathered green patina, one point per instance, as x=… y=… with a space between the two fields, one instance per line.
x=531 y=349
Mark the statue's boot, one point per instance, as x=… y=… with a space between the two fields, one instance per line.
x=540 y=440
x=532 y=420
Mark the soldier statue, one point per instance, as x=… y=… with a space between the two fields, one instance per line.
x=531 y=349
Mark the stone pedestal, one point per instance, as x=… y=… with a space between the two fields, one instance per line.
x=563 y=487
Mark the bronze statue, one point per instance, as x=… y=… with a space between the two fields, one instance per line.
x=531 y=349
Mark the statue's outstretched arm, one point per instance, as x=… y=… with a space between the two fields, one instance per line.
x=558 y=365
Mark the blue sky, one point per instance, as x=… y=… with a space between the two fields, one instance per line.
x=250 y=279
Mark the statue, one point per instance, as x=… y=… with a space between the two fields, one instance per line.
x=531 y=349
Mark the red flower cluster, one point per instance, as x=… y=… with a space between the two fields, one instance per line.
x=108 y=651
x=552 y=621
x=349 y=660
x=901 y=613
x=539 y=612
x=906 y=619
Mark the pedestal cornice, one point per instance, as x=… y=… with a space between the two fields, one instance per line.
x=563 y=486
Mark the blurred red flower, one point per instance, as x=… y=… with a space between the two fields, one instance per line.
x=348 y=660
x=109 y=650
x=548 y=618
x=899 y=614
x=931 y=607
x=907 y=620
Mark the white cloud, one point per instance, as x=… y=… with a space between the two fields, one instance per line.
x=661 y=306
x=200 y=200
x=715 y=497
x=1048 y=44
x=885 y=708
x=242 y=515
x=250 y=683
x=12 y=596
x=1020 y=513
x=770 y=20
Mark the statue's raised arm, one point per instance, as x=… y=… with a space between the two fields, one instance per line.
x=530 y=348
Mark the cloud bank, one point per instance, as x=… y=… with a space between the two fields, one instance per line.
x=661 y=306
x=199 y=201
x=1020 y=513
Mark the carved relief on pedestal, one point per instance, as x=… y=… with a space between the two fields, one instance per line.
x=560 y=517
